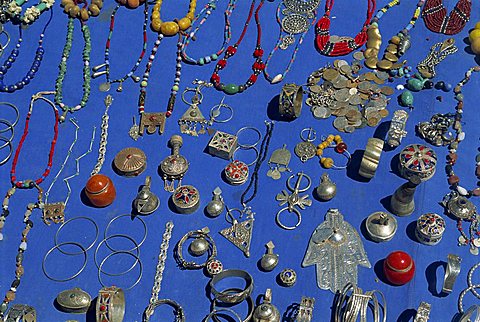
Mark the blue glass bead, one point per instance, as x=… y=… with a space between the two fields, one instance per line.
x=3 y=88
x=3 y=69
x=11 y=88
x=31 y=74
x=8 y=64
x=26 y=80
x=379 y=14
x=40 y=50
x=207 y=59
x=447 y=87
x=19 y=85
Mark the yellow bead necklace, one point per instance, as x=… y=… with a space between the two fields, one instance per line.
x=171 y=28
x=336 y=142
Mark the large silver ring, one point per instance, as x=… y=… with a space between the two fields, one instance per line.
x=290 y=101
x=57 y=246
x=110 y=304
x=294 y=211
x=229 y=297
x=451 y=273
x=254 y=148
x=137 y=260
x=8 y=128
x=145 y=230
x=177 y=309
x=371 y=158
x=423 y=312
x=55 y=239
x=104 y=241
x=21 y=313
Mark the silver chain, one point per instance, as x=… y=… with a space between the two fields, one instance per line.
x=103 y=137
x=162 y=257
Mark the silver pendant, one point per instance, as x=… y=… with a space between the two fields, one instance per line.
x=269 y=260
x=336 y=249
x=175 y=165
x=240 y=233
x=134 y=131
x=74 y=300
x=306 y=150
x=53 y=212
x=216 y=206
x=327 y=189
x=193 y=117
x=223 y=145
x=236 y=172
x=152 y=121
x=186 y=199
x=104 y=87
x=146 y=201
x=278 y=162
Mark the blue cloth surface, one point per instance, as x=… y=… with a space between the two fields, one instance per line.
x=356 y=198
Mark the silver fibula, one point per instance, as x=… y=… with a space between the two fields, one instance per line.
x=294 y=199
x=336 y=249
x=306 y=150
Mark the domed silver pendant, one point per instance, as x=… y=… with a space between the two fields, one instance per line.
x=269 y=260
x=146 y=201
x=74 y=300
x=266 y=312
x=327 y=189
x=216 y=206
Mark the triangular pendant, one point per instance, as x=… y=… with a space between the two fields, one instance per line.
x=240 y=234
x=193 y=114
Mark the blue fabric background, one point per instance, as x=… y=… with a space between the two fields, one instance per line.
x=356 y=198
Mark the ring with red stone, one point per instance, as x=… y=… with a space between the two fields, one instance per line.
x=110 y=305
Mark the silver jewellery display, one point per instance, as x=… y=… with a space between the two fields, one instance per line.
x=157 y=282
x=269 y=260
x=201 y=244
x=266 y=311
x=146 y=202
x=381 y=226
x=351 y=302
x=186 y=199
x=110 y=304
x=74 y=300
x=293 y=199
x=278 y=162
x=451 y=273
x=306 y=150
x=305 y=311
x=371 y=158
x=290 y=101
x=174 y=167
x=396 y=131
x=336 y=249
x=327 y=189
x=423 y=312
x=21 y=312
x=193 y=116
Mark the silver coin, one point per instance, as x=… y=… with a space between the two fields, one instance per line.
x=349 y=128
x=337 y=105
x=462 y=240
x=104 y=87
x=321 y=113
x=341 y=82
x=339 y=123
x=355 y=100
x=315 y=89
x=341 y=63
x=364 y=86
x=357 y=123
x=358 y=55
x=382 y=75
x=474 y=251
x=342 y=95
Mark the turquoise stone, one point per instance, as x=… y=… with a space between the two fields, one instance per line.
x=406 y=99
x=415 y=85
x=230 y=89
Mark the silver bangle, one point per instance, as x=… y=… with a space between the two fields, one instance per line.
x=140 y=274
x=104 y=241
x=467 y=316
x=21 y=312
x=8 y=128
x=110 y=304
x=451 y=272
x=14 y=107
x=55 y=239
x=254 y=148
x=371 y=158
x=145 y=230
x=9 y=143
x=248 y=146
x=178 y=310
x=229 y=297
x=423 y=312
x=352 y=302
x=57 y=246
x=290 y=101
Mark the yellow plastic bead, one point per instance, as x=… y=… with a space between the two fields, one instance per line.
x=477 y=25
x=155 y=15
x=475 y=46
x=184 y=23
x=156 y=24
x=324 y=145
x=338 y=138
x=190 y=15
x=319 y=152
x=327 y=163
x=169 y=28
x=331 y=137
x=474 y=34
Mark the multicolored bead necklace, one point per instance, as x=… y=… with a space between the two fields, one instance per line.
x=63 y=69
x=31 y=14
x=345 y=45
x=294 y=22
x=398 y=44
x=258 y=66
x=105 y=87
x=435 y=16
x=26 y=184
x=8 y=63
x=202 y=18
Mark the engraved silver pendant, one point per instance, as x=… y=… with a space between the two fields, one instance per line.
x=54 y=212
x=306 y=150
x=174 y=166
x=278 y=162
x=74 y=300
x=240 y=233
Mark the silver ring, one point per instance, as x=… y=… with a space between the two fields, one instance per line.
x=104 y=241
x=217 y=108
x=9 y=143
x=251 y=148
x=8 y=128
x=85 y=256
x=110 y=304
x=249 y=300
x=232 y=298
x=15 y=108
x=211 y=252
x=295 y=211
x=247 y=146
x=55 y=239
x=100 y=270
x=105 y=233
x=451 y=273
x=349 y=158
x=311 y=136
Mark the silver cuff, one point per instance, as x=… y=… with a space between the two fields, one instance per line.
x=423 y=312
x=110 y=304
x=451 y=273
x=305 y=311
x=371 y=158
x=290 y=101
x=21 y=312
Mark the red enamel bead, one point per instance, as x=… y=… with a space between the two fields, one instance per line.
x=341 y=147
x=258 y=53
x=399 y=268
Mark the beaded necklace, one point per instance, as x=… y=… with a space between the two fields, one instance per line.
x=202 y=18
x=26 y=184
x=8 y=63
x=295 y=22
x=435 y=16
x=63 y=69
x=31 y=14
x=458 y=192
x=258 y=65
x=105 y=87
x=344 y=45
x=398 y=44
x=171 y=28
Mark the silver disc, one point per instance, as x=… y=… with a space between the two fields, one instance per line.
x=104 y=87
x=321 y=112
x=295 y=24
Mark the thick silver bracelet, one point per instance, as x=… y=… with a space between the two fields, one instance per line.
x=451 y=273
x=229 y=297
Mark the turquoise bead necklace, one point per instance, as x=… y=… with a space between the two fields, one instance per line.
x=31 y=14
x=202 y=18
x=63 y=69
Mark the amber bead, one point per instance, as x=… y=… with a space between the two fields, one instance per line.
x=10 y=296
x=133 y=3
x=452 y=158
x=169 y=28
x=453 y=179
x=184 y=23
x=327 y=163
x=100 y=190
x=19 y=271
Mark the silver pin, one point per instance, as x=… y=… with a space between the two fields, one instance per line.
x=98 y=67
x=98 y=74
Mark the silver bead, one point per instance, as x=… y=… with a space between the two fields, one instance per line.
x=216 y=206
x=327 y=188
x=288 y=277
x=198 y=247
x=269 y=260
